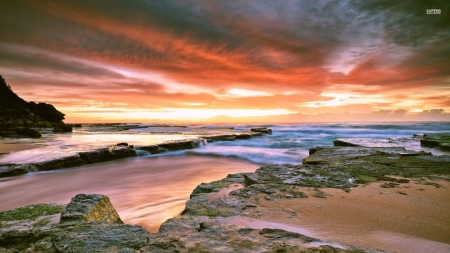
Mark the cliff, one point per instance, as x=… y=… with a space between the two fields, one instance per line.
x=17 y=116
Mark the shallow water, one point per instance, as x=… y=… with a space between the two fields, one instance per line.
x=144 y=190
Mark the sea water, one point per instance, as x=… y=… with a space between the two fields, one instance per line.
x=289 y=143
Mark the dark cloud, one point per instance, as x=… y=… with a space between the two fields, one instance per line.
x=10 y=57
x=407 y=22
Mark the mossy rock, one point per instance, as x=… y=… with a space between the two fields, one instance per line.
x=31 y=212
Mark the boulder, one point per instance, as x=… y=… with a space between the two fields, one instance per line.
x=84 y=208
x=88 y=224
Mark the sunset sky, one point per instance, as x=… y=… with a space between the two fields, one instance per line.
x=290 y=60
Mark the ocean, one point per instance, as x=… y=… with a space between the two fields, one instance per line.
x=149 y=189
x=289 y=143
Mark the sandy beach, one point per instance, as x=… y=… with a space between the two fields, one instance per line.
x=413 y=218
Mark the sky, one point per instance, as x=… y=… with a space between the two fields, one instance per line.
x=211 y=60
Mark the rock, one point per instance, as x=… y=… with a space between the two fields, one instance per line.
x=20 y=133
x=65 y=162
x=438 y=140
x=100 y=238
x=119 y=152
x=243 y=136
x=153 y=149
x=262 y=130
x=88 y=224
x=85 y=208
x=24 y=227
x=196 y=234
x=11 y=170
x=62 y=128
x=49 y=165
x=108 y=154
x=122 y=144
x=343 y=143
x=93 y=156
x=177 y=145
x=202 y=188
x=277 y=233
x=72 y=161
x=28 y=132
x=220 y=137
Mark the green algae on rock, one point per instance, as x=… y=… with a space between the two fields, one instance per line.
x=30 y=212
x=436 y=140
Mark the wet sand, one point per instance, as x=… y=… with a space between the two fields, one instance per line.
x=7 y=146
x=144 y=190
x=413 y=218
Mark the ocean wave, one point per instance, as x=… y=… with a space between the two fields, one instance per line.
x=253 y=154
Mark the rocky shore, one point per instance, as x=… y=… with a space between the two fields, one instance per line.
x=238 y=213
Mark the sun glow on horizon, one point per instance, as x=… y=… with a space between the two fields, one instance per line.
x=343 y=99
x=182 y=114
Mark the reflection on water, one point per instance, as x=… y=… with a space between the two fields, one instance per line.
x=144 y=190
